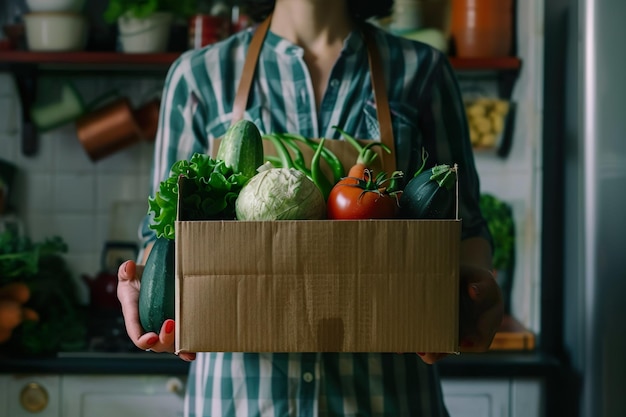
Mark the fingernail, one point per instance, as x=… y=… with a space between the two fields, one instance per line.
x=421 y=353
x=169 y=326
x=475 y=289
x=153 y=340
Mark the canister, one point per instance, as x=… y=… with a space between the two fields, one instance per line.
x=482 y=28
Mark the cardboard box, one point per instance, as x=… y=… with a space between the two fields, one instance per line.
x=305 y=286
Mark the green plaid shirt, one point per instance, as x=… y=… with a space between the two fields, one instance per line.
x=426 y=111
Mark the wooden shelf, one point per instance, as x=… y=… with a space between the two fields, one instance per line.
x=126 y=61
x=486 y=64
x=513 y=336
x=26 y=65
x=89 y=60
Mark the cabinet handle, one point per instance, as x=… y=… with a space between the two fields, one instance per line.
x=34 y=397
x=175 y=386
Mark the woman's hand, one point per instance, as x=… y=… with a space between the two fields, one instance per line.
x=129 y=282
x=12 y=311
x=480 y=312
x=481 y=309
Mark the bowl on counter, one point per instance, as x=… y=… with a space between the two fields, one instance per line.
x=55 y=31
x=55 y=5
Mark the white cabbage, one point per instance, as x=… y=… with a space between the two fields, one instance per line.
x=280 y=194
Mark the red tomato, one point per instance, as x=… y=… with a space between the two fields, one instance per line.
x=347 y=200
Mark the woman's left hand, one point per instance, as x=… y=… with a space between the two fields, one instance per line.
x=480 y=312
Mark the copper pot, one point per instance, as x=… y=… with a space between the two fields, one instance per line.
x=108 y=129
x=147 y=117
x=117 y=126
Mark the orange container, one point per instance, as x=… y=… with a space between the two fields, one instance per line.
x=108 y=130
x=482 y=28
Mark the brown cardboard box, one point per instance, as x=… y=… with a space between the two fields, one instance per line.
x=304 y=286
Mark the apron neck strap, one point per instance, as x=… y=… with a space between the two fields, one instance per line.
x=249 y=67
x=376 y=73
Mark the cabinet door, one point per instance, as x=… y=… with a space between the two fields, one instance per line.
x=29 y=395
x=128 y=396
x=527 y=397
x=472 y=398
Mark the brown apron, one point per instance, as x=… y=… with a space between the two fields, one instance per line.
x=343 y=149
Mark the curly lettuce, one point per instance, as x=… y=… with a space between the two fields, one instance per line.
x=211 y=194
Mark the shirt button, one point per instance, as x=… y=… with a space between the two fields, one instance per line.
x=334 y=83
x=307 y=376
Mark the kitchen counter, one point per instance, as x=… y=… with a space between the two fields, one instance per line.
x=491 y=364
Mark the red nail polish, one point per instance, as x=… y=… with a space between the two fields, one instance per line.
x=421 y=353
x=169 y=326
x=153 y=340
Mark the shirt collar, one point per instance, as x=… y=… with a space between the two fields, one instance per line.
x=353 y=43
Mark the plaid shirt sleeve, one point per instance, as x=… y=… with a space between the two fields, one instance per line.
x=449 y=139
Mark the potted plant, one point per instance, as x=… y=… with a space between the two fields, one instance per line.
x=144 y=25
x=499 y=217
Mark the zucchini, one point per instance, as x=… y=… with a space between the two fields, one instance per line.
x=430 y=194
x=156 y=295
x=242 y=148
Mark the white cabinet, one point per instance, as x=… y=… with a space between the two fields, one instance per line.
x=29 y=395
x=91 y=396
x=156 y=396
x=494 y=397
x=128 y=396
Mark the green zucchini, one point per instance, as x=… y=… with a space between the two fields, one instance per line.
x=156 y=295
x=430 y=194
x=242 y=148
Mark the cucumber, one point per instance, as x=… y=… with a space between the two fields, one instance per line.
x=156 y=295
x=242 y=148
x=430 y=194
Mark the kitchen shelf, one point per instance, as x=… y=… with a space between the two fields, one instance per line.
x=72 y=60
x=486 y=64
x=25 y=66
x=512 y=335
x=84 y=60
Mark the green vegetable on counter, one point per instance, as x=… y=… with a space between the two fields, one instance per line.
x=53 y=295
x=499 y=217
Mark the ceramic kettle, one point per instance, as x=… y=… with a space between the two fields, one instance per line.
x=103 y=287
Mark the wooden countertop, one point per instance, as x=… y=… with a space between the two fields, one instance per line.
x=513 y=336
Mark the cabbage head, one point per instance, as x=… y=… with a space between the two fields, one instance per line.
x=280 y=194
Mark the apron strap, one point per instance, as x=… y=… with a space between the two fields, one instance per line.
x=249 y=67
x=380 y=98
x=376 y=73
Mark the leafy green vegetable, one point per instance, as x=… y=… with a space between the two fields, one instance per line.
x=40 y=265
x=19 y=256
x=211 y=194
x=499 y=217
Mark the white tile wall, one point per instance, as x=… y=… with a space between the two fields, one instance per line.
x=60 y=191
